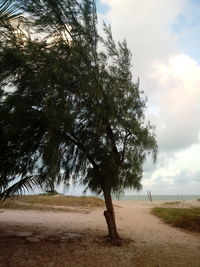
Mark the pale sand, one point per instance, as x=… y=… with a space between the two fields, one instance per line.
x=154 y=242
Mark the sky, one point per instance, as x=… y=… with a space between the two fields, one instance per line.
x=164 y=38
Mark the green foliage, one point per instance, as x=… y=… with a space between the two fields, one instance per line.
x=172 y=203
x=179 y=217
x=74 y=112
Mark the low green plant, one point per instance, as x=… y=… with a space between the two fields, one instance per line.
x=172 y=203
x=184 y=218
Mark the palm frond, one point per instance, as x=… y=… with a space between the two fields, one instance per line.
x=8 y=11
x=27 y=183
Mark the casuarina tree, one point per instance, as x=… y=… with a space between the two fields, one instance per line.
x=69 y=108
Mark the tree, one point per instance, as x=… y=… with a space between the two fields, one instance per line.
x=75 y=111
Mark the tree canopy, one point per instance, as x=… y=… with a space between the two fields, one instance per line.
x=72 y=110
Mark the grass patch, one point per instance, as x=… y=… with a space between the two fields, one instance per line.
x=172 y=203
x=51 y=202
x=184 y=218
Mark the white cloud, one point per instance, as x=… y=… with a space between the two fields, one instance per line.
x=171 y=80
x=147 y=27
x=185 y=182
x=177 y=93
x=175 y=172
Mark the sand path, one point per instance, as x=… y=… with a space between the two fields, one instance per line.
x=136 y=221
x=154 y=242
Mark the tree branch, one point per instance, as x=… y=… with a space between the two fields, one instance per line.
x=77 y=142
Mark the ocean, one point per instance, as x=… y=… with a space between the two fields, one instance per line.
x=158 y=197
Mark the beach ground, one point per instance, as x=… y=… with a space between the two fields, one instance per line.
x=38 y=238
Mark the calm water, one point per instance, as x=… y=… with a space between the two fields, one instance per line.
x=159 y=197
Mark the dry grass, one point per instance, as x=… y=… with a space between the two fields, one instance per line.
x=184 y=218
x=20 y=206
x=60 y=200
x=51 y=202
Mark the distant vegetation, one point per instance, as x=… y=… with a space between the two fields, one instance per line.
x=171 y=203
x=184 y=218
x=47 y=202
x=60 y=200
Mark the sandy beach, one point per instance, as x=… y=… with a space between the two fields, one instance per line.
x=38 y=238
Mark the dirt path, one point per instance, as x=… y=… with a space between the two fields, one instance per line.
x=136 y=221
x=153 y=242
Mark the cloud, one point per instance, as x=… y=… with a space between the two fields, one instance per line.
x=147 y=27
x=175 y=172
x=171 y=79
x=177 y=93
x=184 y=182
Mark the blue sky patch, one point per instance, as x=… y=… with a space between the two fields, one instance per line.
x=187 y=28
x=102 y=8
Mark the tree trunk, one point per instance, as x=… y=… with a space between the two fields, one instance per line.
x=110 y=218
